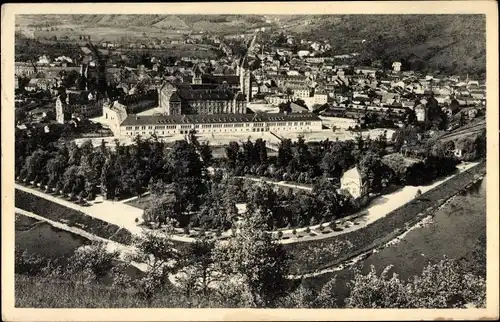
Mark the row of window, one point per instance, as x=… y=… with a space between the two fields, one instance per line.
x=132 y=133
x=222 y=125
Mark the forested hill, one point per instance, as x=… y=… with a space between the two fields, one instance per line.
x=450 y=43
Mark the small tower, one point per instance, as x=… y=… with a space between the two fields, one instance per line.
x=174 y=104
x=197 y=73
x=61 y=110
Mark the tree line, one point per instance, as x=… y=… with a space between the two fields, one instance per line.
x=183 y=189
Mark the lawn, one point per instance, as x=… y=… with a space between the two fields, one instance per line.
x=142 y=202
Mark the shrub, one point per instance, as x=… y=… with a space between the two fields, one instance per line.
x=294 y=231
x=280 y=234
x=308 y=230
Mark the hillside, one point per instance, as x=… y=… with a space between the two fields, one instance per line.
x=449 y=43
x=452 y=43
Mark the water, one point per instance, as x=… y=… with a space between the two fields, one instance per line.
x=37 y=237
x=455 y=231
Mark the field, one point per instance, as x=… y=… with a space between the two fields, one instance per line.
x=382 y=230
x=71 y=217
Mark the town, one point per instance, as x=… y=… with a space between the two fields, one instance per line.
x=264 y=156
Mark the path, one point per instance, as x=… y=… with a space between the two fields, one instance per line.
x=110 y=245
x=125 y=216
x=113 y=212
x=278 y=183
x=379 y=208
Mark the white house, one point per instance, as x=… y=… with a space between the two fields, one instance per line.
x=396 y=66
x=303 y=53
x=354 y=183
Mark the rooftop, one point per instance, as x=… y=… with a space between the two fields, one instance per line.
x=133 y=119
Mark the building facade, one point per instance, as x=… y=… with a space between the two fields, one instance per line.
x=352 y=181
x=82 y=103
x=167 y=125
x=114 y=113
x=176 y=99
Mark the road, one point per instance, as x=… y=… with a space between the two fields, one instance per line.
x=378 y=208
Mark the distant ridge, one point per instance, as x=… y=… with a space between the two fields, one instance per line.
x=452 y=43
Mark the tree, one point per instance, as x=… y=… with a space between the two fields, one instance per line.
x=249 y=154
x=256 y=260
x=198 y=264
x=55 y=169
x=285 y=153
x=371 y=165
x=206 y=154
x=441 y=285
x=94 y=258
x=396 y=162
x=372 y=291
x=163 y=209
x=34 y=166
x=327 y=297
x=232 y=153
x=445 y=285
x=301 y=297
x=71 y=182
x=260 y=150
x=156 y=250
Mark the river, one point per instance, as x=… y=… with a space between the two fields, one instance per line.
x=38 y=237
x=457 y=230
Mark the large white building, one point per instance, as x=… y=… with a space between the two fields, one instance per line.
x=167 y=125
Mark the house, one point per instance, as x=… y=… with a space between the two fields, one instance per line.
x=420 y=112
x=354 y=182
x=303 y=53
x=114 y=113
x=396 y=66
x=295 y=108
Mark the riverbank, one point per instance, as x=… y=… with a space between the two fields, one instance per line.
x=456 y=229
x=356 y=243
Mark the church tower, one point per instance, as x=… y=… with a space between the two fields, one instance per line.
x=245 y=78
x=197 y=73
